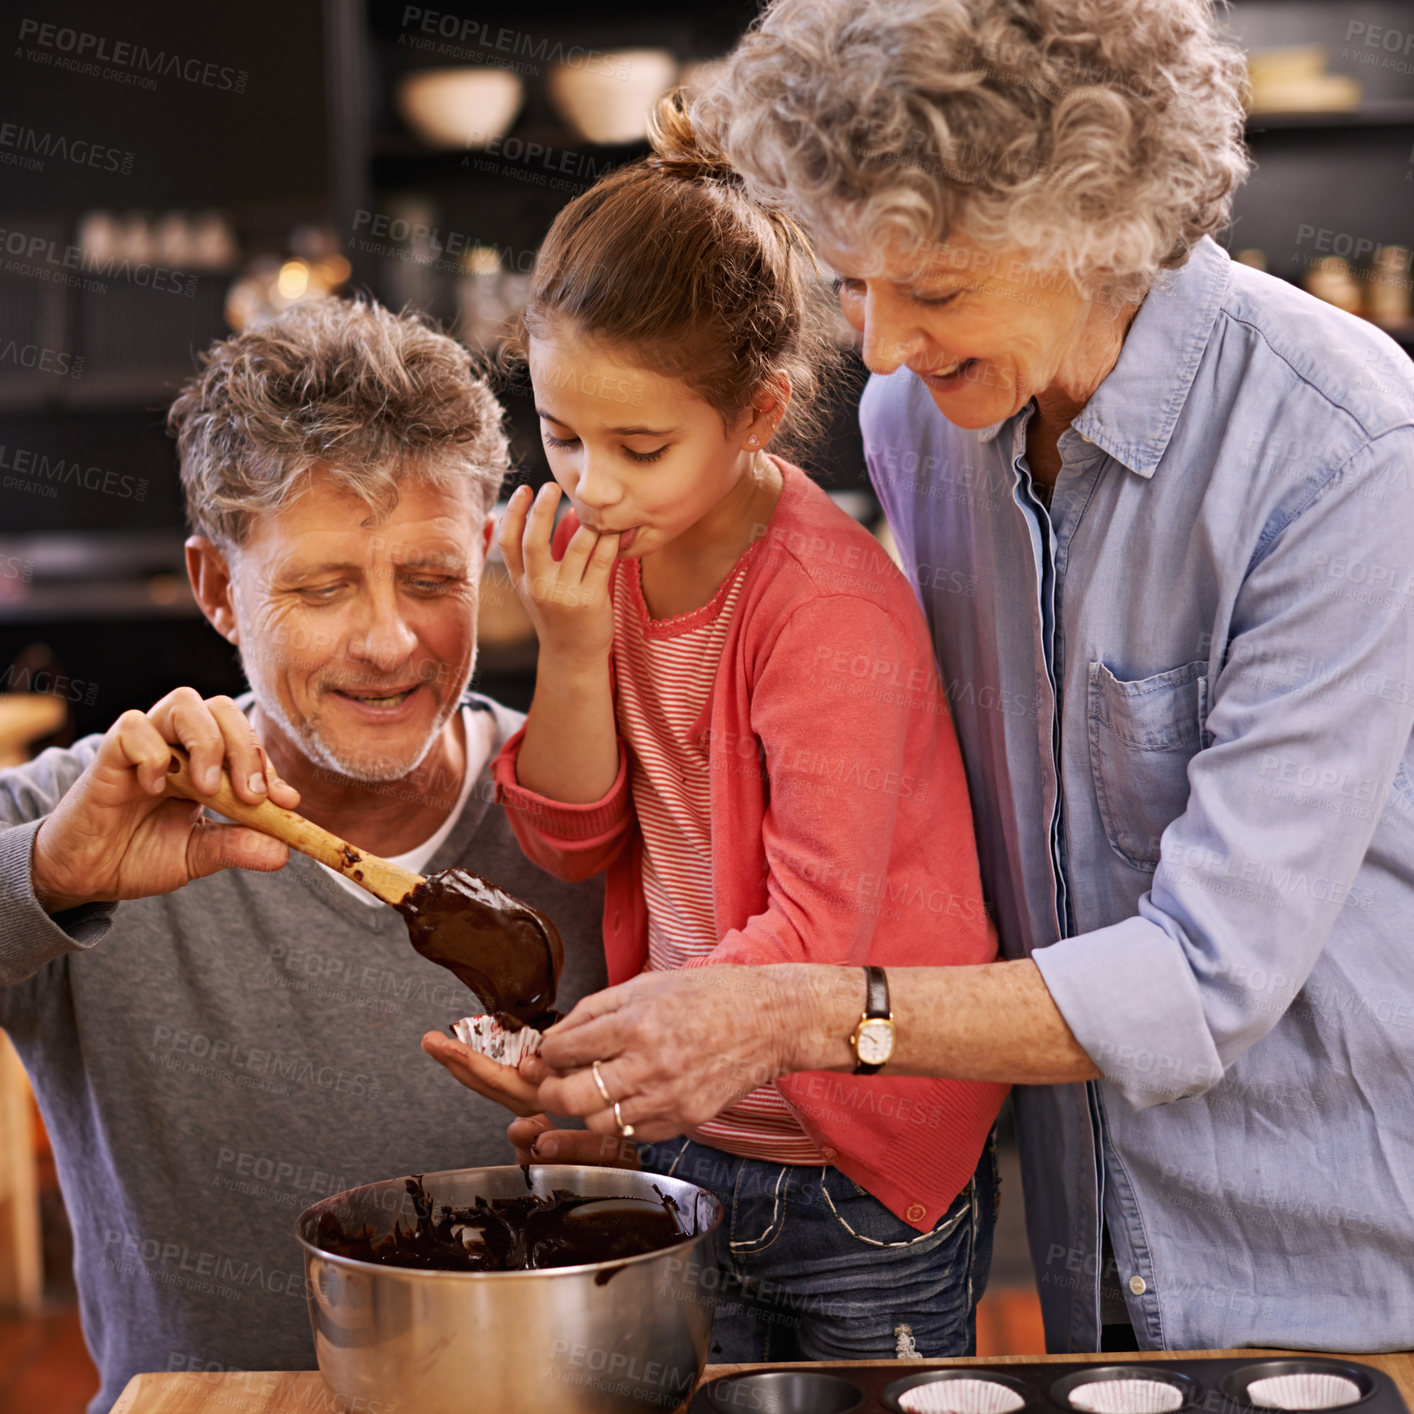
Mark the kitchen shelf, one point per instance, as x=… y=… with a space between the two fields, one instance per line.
x=98 y=575
x=102 y=600
x=1385 y=113
x=398 y=161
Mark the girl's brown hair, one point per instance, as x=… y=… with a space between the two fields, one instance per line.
x=669 y=258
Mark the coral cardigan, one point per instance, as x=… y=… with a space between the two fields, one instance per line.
x=841 y=828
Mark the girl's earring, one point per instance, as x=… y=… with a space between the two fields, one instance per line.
x=752 y=440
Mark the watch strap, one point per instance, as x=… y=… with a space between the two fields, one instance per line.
x=876 y=993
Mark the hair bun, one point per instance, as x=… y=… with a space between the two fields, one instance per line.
x=678 y=147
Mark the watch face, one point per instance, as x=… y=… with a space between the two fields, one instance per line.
x=876 y=1041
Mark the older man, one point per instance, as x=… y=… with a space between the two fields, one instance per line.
x=222 y=1047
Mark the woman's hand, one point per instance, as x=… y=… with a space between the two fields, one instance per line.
x=675 y=1048
x=501 y=1083
x=532 y=1134
x=568 y=599
x=117 y=833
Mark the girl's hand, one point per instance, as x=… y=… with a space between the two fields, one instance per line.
x=567 y=600
x=570 y=751
x=501 y=1083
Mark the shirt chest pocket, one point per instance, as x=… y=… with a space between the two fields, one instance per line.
x=1142 y=736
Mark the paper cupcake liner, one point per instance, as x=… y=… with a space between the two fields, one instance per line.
x=1127 y=1397
x=1308 y=1391
x=961 y=1397
x=486 y=1035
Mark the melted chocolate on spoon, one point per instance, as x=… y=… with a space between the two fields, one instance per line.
x=507 y=952
x=510 y=1234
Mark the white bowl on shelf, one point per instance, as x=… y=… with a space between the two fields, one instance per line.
x=607 y=101
x=466 y=106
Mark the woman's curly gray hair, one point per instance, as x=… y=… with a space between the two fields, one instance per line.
x=345 y=385
x=1102 y=137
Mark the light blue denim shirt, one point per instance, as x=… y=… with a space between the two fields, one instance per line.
x=1185 y=698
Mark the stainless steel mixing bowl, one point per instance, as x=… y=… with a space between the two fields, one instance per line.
x=620 y=1337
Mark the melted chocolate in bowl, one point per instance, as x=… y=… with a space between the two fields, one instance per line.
x=511 y=1234
x=507 y=952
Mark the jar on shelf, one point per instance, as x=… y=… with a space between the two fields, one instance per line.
x=1389 y=286
x=481 y=306
x=1332 y=280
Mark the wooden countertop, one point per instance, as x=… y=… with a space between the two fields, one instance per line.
x=272 y=1392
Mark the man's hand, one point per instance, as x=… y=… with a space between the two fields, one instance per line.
x=675 y=1048
x=487 y=1077
x=532 y=1134
x=537 y=1141
x=567 y=600
x=117 y=833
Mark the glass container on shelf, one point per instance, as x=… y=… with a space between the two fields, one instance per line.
x=1293 y=79
x=1389 y=287
x=201 y=242
x=311 y=268
x=488 y=297
x=1332 y=280
x=481 y=307
x=411 y=253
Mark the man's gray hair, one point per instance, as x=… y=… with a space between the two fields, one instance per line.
x=345 y=386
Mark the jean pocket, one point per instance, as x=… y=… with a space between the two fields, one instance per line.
x=760 y=1200
x=1142 y=736
x=860 y=1215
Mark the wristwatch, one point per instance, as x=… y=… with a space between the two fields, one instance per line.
x=873 y=1038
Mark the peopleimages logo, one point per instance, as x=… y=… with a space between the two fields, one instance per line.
x=41 y=360
x=27 y=147
x=440 y=32
x=84 y=52
x=51 y=684
x=40 y=257
x=35 y=471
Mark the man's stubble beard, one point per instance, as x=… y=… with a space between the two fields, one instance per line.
x=368 y=771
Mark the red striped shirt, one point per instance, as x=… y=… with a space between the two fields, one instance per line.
x=665 y=670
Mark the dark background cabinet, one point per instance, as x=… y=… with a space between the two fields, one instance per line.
x=282 y=116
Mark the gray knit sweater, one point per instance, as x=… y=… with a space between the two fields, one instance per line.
x=212 y=1061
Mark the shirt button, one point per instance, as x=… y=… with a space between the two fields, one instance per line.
x=830 y=1154
x=1138 y=1286
x=916 y=1212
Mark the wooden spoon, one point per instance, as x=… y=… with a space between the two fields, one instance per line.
x=507 y=952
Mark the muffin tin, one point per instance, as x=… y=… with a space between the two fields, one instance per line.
x=1161 y=1385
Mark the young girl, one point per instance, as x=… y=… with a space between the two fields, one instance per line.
x=737 y=714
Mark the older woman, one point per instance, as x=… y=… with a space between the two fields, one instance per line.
x=1157 y=510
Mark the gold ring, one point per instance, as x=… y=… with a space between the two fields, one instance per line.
x=625 y=1130
x=599 y=1081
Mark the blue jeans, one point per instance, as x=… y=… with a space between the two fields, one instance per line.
x=811 y=1267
